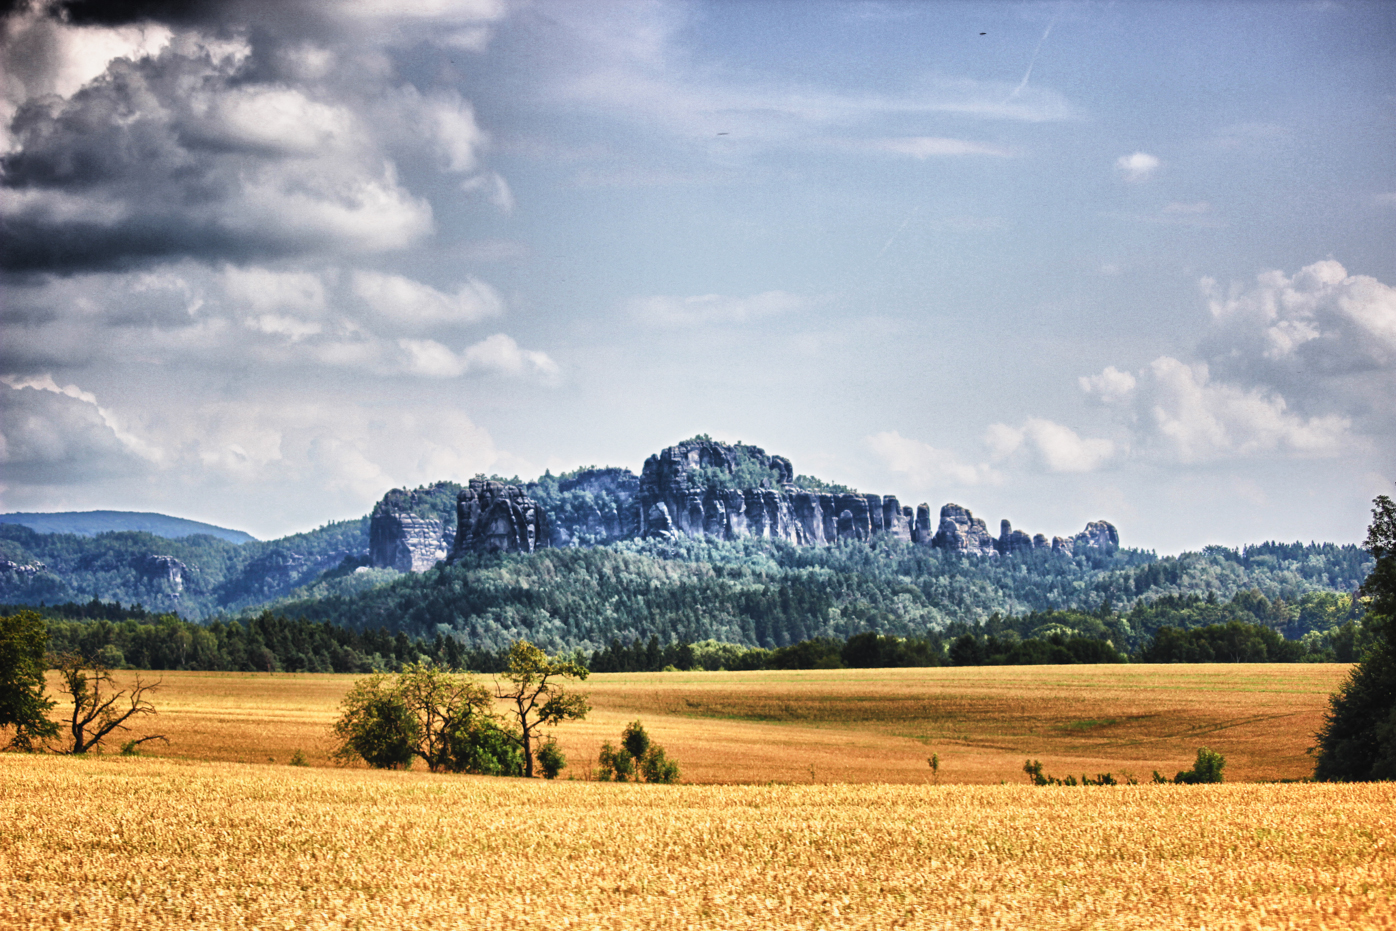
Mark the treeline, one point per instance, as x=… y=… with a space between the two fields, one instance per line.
x=1180 y=630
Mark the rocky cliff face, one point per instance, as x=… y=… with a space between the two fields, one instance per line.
x=492 y=516
x=698 y=488
x=595 y=506
x=412 y=530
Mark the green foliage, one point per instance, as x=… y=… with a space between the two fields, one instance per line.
x=637 y=758
x=375 y=725
x=810 y=483
x=1357 y=741
x=551 y=759
x=1035 y=776
x=23 y=704
x=220 y=576
x=298 y=758
x=539 y=698
x=1233 y=642
x=424 y=713
x=1207 y=768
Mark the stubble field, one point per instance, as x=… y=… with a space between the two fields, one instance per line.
x=137 y=843
x=218 y=832
x=845 y=725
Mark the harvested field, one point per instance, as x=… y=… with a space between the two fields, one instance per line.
x=132 y=843
x=849 y=725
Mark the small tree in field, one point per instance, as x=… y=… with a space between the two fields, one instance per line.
x=539 y=699
x=98 y=708
x=637 y=757
x=424 y=713
x=23 y=706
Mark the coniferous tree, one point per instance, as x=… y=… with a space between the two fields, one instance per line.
x=1357 y=742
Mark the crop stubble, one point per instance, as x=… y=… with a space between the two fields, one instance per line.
x=147 y=843
x=843 y=725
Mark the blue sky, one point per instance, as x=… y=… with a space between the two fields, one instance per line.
x=1052 y=261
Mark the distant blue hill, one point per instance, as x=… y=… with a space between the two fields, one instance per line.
x=91 y=523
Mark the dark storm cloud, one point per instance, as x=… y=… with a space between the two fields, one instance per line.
x=182 y=155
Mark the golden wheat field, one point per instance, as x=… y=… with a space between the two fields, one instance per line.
x=846 y=725
x=139 y=843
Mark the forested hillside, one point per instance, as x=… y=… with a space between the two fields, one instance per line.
x=762 y=593
x=196 y=576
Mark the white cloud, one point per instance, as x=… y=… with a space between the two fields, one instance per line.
x=56 y=435
x=1178 y=411
x=926 y=466
x=1322 y=319
x=262 y=290
x=1058 y=448
x=923 y=147
x=1110 y=386
x=497 y=354
x=409 y=302
x=1137 y=167
x=662 y=310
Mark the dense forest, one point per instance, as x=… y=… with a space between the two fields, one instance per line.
x=1170 y=629
x=768 y=594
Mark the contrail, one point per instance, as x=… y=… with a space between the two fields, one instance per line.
x=1032 y=61
x=891 y=239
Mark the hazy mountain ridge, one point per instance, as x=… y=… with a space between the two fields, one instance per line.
x=91 y=523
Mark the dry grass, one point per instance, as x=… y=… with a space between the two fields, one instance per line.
x=143 y=843
x=876 y=725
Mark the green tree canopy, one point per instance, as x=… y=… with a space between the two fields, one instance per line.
x=23 y=705
x=1357 y=742
x=538 y=696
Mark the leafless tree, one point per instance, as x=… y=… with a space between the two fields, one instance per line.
x=99 y=708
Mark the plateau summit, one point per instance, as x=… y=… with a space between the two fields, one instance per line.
x=698 y=488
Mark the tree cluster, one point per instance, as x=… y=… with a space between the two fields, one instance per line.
x=449 y=722
x=636 y=759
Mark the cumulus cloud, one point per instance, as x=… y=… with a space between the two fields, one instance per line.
x=926 y=466
x=1180 y=411
x=411 y=303
x=1321 y=320
x=57 y=435
x=667 y=311
x=139 y=132
x=1057 y=447
x=1137 y=167
x=497 y=354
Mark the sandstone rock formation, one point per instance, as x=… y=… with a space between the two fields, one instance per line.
x=962 y=532
x=597 y=505
x=407 y=530
x=492 y=516
x=165 y=569
x=698 y=488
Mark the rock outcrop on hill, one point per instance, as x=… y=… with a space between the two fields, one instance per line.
x=698 y=488
x=596 y=505
x=165 y=569
x=492 y=516
x=409 y=530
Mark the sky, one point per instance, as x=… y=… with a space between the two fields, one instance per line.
x=264 y=260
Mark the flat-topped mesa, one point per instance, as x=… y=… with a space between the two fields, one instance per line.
x=407 y=530
x=494 y=517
